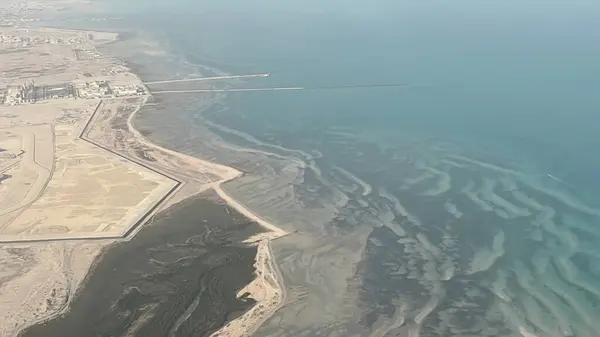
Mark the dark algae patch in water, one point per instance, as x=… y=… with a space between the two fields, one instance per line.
x=178 y=277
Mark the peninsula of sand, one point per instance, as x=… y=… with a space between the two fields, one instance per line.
x=76 y=176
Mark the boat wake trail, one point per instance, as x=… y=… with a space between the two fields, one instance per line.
x=560 y=180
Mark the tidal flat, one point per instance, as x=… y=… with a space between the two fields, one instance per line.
x=178 y=276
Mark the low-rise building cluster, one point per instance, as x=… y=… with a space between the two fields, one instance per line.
x=128 y=90
x=102 y=89
x=12 y=13
x=31 y=93
x=36 y=40
x=94 y=89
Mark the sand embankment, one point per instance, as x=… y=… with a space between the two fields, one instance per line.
x=267 y=288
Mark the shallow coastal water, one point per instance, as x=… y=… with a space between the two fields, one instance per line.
x=462 y=205
x=484 y=219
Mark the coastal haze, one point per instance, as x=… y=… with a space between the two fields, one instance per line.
x=426 y=170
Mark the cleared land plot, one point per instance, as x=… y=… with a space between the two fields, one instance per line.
x=92 y=193
x=27 y=177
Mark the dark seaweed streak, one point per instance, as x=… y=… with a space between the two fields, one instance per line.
x=178 y=277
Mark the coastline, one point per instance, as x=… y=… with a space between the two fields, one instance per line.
x=264 y=260
x=247 y=323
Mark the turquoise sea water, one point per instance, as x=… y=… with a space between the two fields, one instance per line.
x=519 y=78
x=482 y=174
